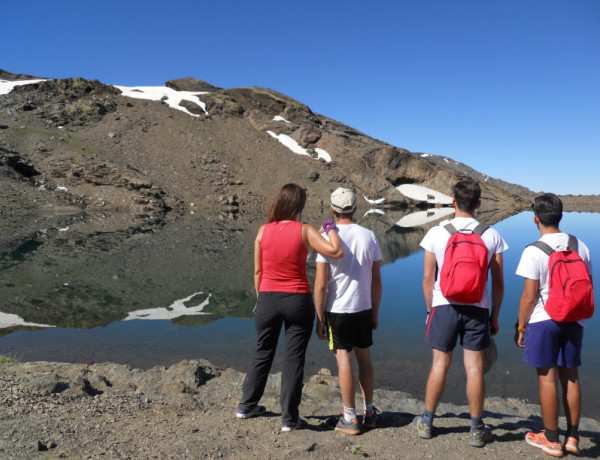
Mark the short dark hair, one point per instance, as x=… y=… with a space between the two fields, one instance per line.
x=288 y=203
x=467 y=193
x=548 y=209
x=347 y=215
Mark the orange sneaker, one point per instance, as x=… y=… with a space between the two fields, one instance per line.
x=572 y=445
x=540 y=441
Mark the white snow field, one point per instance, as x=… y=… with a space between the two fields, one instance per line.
x=420 y=193
x=175 y=310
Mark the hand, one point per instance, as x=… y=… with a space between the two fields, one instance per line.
x=494 y=327
x=374 y=321
x=327 y=225
x=519 y=339
x=321 y=330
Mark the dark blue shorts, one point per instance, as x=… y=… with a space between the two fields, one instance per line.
x=447 y=323
x=549 y=344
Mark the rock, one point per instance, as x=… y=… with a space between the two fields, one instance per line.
x=191 y=84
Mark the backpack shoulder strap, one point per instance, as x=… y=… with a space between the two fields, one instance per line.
x=543 y=246
x=480 y=229
x=451 y=228
x=573 y=243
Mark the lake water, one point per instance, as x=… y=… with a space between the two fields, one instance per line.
x=401 y=357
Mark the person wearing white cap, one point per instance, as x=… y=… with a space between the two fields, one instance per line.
x=347 y=295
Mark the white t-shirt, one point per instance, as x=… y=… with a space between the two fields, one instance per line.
x=435 y=241
x=349 y=282
x=534 y=265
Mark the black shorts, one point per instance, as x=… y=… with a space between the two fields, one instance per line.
x=349 y=330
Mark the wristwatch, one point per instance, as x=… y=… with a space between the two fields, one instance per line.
x=519 y=329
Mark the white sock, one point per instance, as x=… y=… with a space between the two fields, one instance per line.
x=349 y=413
x=369 y=407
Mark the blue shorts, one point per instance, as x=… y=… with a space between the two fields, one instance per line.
x=447 y=323
x=550 y=344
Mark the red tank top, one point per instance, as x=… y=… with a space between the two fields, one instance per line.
x=283 y=258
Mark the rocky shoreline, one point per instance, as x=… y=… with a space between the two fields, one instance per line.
x=57 y=410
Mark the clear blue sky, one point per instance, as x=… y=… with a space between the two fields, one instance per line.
x=509 y=87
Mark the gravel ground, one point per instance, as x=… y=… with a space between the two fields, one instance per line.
x=57 y=410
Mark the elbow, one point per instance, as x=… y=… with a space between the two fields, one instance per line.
x=320 y=292
x=333 y=254
x=338 y=253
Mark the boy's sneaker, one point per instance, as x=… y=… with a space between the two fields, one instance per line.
x=369 y=418
x=339 y=423
x=424 y=429
x=300 y=424
x=254 y=412
x=540 y=441
x=572 y=445
x=480 y=435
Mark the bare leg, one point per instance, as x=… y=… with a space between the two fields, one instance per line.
x=548 y=396
x=366 y=376
x=473 y=361
x=437 y=378
x=571 y=393
x=346 y=377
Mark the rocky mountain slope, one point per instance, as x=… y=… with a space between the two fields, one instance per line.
x=110 y=203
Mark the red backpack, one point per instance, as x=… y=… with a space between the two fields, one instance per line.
x=464 y=272
x=570 y=292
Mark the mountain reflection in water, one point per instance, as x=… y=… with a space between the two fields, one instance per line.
x=54 y=285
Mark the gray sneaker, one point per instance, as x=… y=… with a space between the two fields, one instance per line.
x=480 y=435
x=423 y=428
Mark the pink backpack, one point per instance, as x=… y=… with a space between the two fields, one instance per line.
x=464 y=272
x=570 y=292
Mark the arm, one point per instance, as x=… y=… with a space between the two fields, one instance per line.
x=376 y=289
x=321 y=297
x=528 y=299
x=331 y=248
x=258 y=260
x=429 y=269
x=497 y=271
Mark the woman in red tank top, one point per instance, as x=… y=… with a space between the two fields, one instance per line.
x=284 y=299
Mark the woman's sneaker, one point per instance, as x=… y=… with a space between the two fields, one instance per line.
x=572 y=445
x=369 y=418
x=480 y=435
x=540 y=441
x=300 y=424
x=254 y=412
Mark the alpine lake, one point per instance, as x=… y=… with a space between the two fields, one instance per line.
x=163 y=332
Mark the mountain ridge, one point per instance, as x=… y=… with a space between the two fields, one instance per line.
x=111 y=204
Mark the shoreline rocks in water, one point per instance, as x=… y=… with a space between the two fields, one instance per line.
x=106 y=410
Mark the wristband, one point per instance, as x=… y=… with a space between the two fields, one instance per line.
x=519 y=329
x=328 y=225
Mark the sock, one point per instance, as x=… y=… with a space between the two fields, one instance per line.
x=369 y=407
x=573 y=431
x=349 y=413
x=551 y=435
x=427 y=416
x=476 y=422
